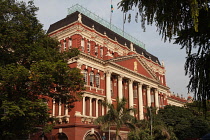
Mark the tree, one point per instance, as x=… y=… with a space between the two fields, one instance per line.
x=197 y=109
x=189 y=22
x=152 y=128
x=117 y=116
x=185 y=124
x=31 y=68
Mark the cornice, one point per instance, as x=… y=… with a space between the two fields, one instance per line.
x=84 y=55
x=163 y=87
x=174 y=100
x=90 y=94
x=68 y=125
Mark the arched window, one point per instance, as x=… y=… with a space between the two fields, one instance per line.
x=91 y=79
x=85 y=76
x=97 y=78
x=83 y=45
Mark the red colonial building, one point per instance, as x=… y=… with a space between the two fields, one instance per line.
x=114 y=64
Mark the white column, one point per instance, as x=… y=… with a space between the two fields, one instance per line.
x=66 y=110
x=131 y=95
x=120 y=87
x=141 y=109
x=59 y=108
x=83 y=106
x=96 y=107
x=67 y=113
x=102 y=110
x=148 y=97
x=156 y=99
x=108 y=88
x=53 y=110
x=91 y=108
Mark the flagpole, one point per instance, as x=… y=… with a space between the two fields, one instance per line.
x=123 y=23
x=111 y=14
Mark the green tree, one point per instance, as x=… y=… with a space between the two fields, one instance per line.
x=185 y=124
x=117 y=116
x=198 y=109
x=189 y=22
x=152 y=128
x=31 y=68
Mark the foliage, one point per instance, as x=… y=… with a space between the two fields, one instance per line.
x=153 y=128
x=189 y=22
x=184 y=123
x=118 y=116
x=199 y=110
x=31 y=67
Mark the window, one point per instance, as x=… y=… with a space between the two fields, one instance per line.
x=84 y=72
x=111 y=87
x=64 y=45
x=70 y=43
x=97 y=78
x=152 y=98
x=59 y=47
x=159 y=99
x=101 y=52
x=83 y=45
x=88 y=47
x=91 y=79
x=135 y=93
x=123 y=87
x=96 y=50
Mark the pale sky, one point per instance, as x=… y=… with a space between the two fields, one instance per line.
x=51 y=11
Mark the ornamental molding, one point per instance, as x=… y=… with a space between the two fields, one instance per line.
x=93 y=95
x=90 y=34
x=163 y=88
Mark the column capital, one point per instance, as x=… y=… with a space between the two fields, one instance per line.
x=130 y=81
x=119 y=77
x=148 y=87
x=108 y=73
x=139 y=84
x=156 y=89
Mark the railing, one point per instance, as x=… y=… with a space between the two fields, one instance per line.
x=105 y=23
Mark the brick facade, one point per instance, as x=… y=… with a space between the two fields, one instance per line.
x=112 y=67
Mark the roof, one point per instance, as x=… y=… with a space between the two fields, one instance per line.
x=101 y=29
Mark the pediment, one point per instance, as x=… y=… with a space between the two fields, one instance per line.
x=135 y=64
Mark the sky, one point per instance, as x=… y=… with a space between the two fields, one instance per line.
x=51 y=11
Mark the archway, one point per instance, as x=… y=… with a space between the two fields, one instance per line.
x=61 y=136
x=92 y=135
